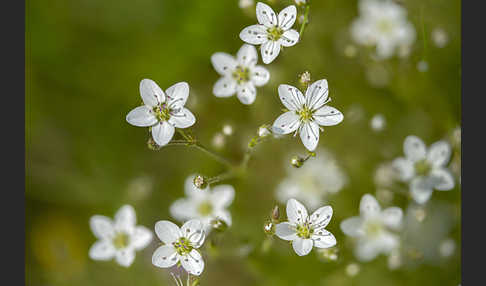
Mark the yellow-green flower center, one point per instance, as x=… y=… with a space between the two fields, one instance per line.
x=422 y=167
x=205 y=208
x=241 y=74
x=121 y=240
x=161 y=112
x=304 y=230
x=305 y=114
x=274 y=33
x=385 y=26
x=373 y=229
x=183 y=246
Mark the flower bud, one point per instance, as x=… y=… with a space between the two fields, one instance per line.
x=275 y=214
x=219 y=225
x=152 y=145
x=328 y=254
x=269 y=228
x=263 y=131
x=297 y=161
x=200 y=182
x=305 y=78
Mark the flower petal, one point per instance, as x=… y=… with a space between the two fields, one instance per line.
x=141 y=116
x=265 y=15
x=165 y=256
x=194 y=231
x=328 y=116
x=162 y=133
x=223 y=63
x=246 y=93
x=270 y=51
x=101 y=226
x=224 y=87
x=392 y=217
x=321 y=217
x=296 y=212
x=286 y=231
x=291 y=97
x=289 y=38
x=443 y=179
x=183 y=209
x=404 y=168
x=141 y=237
x=254 y=34
x=193 y=262
x=177 y=95
x=317 y=94
x=125 y=219
x=247 y=55
x=102 y=250
x=414 y=148
x=352 y=226
x=369 y=207
x=222 y=196
x=152 y=95
x=259 y=75
x=302 y=246
x=286 y=123
x=439 y=153
x=367 y=250
x=421 y=190
x=287 y=17
x=323 y=239
x=182 y=119
x=125 y=257
x=167 y=231
x=309 y=134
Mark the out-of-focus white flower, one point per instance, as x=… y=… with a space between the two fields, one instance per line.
x=350 y=51
x=163 y=112
x=119 y=238
x=395 y=259
x=447 y=247
x=314 y=181
x=245 y=3
x=239 y=75
x=373 y=229
x=204 y=204
x=306 y=113
x=425 y=170
x=382 y=24
x=180 y=245
x=422 y=66
x=385 y=175
x=227 y=130
x=378 y=122
x=352 y=269
x=272 y=32
x=306 y=231
x=440 y=37
x=218 y=140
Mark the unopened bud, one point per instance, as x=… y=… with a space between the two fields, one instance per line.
x=328 y=254
x=269 y=228
x=219 y=225
x=275 y=214
x=305 y=78
x=200 y=182
x=297 y=161
x=152 y=145
x=263 y=131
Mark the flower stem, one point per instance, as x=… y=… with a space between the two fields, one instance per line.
x=221 y=177
x=213 y=155
x=304 y=22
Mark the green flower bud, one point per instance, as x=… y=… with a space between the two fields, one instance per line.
x=297 y=161
x=200 y=182
x=275 y=214
x=152 y=145
x=219 y=225
x=269 y=228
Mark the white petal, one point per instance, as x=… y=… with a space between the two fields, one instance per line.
x=321 y=217
x=247 y=55
x=302 y=246
x=443 y=180
x=165 y=256
x=291 y=97
x=125 y=219
x=323 y=239
x=369 y=207
x=167 y=231
x=265 y=15
x=404 y=168
x=286 y=123
x=287 y=17
x=193 y=262
x=367 y=250
x=182 y=209
x=162 y=133
x=223 y=63
x=259 y=75
x=439 y=153
x=102 y=250
x=222 y=196
x=286 y=231
x=141 y=116
x=101 y=226
x=414 y=148
x=182 y=119
x=328 y=116
x=270 y=51
x=141 y=237
x=352 y=226
x=177 y=95
x=392 y=217
x=309 y=134
x=125 y=257
x=316 y=94
x=246 y=93
x=151 y=93
x=194 y=231
x=255 y=34
x=296 y=212
x=224 y=87
x=289 y=38
x=421 y=190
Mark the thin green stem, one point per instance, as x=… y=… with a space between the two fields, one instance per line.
x=221 y=177
x=213 y=155
x=304 y=22
x=424 y=35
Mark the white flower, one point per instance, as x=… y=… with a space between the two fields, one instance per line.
x=372 y=228
x=425 y=170
x=245 y=3
x=163 y=112
x=180 y=245
x=306 y=231
x=240 y=75
x=378 y=122
x=306 y=113
x=440 y=37
x=204 y=204
x=314 y=181
x=382 y=24
x=119 y=238
x=272 y=32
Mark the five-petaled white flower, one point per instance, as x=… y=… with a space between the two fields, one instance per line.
x=163 y=112
x=204 y=204
x=239 y=75
x=180 y=245
x=306 y=113
x=306 y=231
x=373 y=228
x=383 y=24
x=425 y=170
x=272 y=31
x=119 y=238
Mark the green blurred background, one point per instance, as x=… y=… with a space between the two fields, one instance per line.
x=85 y=59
